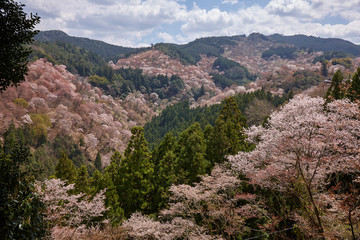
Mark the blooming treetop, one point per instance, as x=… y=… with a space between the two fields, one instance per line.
x=303 y=139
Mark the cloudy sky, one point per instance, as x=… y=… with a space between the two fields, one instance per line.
x=142 y=22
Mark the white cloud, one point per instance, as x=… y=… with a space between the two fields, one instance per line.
x=166 y=37
x=232 y=2
x=133 y=22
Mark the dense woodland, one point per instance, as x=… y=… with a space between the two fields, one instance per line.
x=256 y=166
x=185 y=185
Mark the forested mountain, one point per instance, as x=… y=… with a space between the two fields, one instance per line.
x=105 y=50
x=318 y=44
x=221 y=138
x=178 y=117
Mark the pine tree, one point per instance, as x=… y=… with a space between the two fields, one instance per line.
x=354 y=89
x=335 y=90
x=97 y=163
x=21 y=209
x=227 y=136
x=324 y=70
x=163 y=159
x=82 y=180
x=134 y=176
x=110 y=177
x=190 y=154
x=65 y=169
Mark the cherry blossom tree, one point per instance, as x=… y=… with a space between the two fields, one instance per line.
x=211 y=209
x=301 y=148
x=71 y=214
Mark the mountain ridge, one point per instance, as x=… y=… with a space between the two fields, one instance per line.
x=110 y=50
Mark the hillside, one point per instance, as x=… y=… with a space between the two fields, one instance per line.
x=239 y=137
x=105 y=50
x=74 y=108
x=318 y=44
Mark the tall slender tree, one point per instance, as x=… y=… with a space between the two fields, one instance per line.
x=227 y=136
x=134 y=176
x=354 y=89
x=190 y=155
x=336 y=90
x=97 y=163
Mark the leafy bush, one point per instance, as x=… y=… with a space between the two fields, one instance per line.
x=283 y=52
x=346 y=61
x=21 y=102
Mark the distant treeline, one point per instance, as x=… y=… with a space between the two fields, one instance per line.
x=178 y=117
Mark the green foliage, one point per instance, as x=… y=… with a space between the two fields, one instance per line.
x=303 y=79
x=327 y=56
x=117 y=83
x=97 y=162
x=233 y=73
x=190 y=53
x=283 y=52
x=180 y=116
x=336 y=91
x=176 y=52
x=105 y=50
x=318 y=44
x=116 y=213
x=227 y=137
x=354 y=89
x=39 y=126
x=163 y=158
x=77 y=60
x=21 y=102
x=82 y=180
x=346 y=62
x=21 y=209
x=133 y=183
x=324 y=70
x=17 y=29
x=65 y=169
x=190 y=155
x=97 y=81
x=198 y=92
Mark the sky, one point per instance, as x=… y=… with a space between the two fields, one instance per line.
x=138 y=23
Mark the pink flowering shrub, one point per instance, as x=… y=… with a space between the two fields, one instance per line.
x=71 y=215
x=303 y=146
x=208 y=210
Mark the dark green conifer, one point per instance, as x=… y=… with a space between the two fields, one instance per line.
x=65 y=169
x=354 y=89
x=134 y=183
x=97 y=163
x=82 y=180
x=227 y=136
x=336 y=91
x=163 y=159
x=190 y=153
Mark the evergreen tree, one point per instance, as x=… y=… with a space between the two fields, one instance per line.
x=324 y=70
x=21 y=209
x=163 y=159
x=190 y=155
x=115 y=213
x=227 y=136
x=16 y=30
x=335 y=90
x=82 y=180
x=134 y=176
x=354 y=89
x=97 y=163
x=65 y=169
